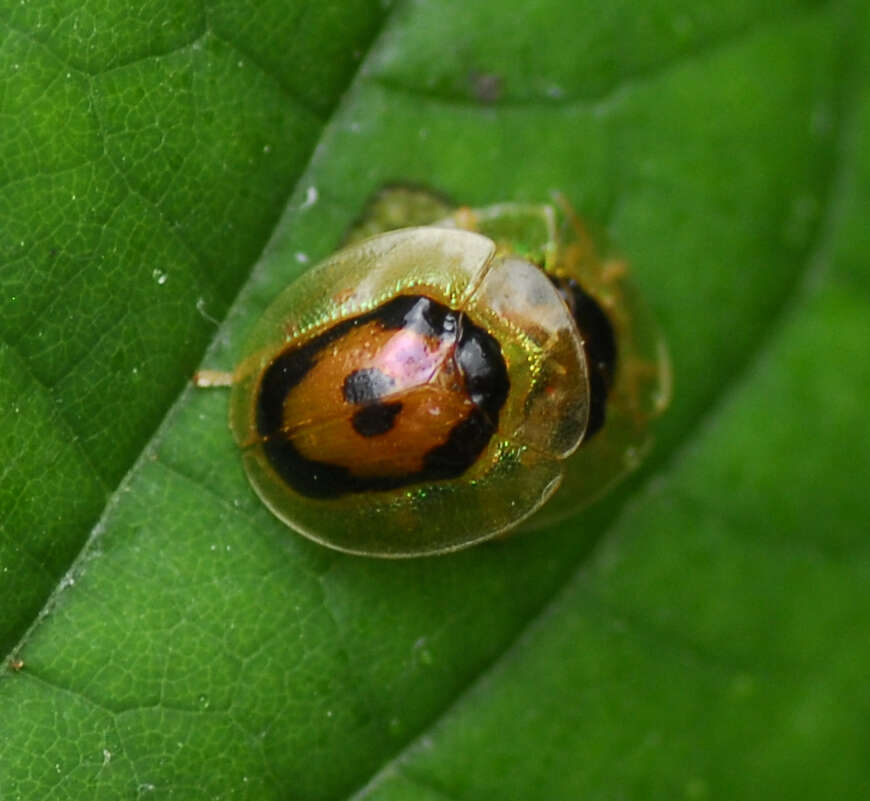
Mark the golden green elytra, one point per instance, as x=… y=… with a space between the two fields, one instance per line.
x=438 y=385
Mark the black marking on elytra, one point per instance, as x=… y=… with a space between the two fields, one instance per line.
x=375 y=419
x=477 y=355
x=289 y=367
x=466 y=441
x=284 y=373
x=367 y=385
x=599 y=344
x=420 y=314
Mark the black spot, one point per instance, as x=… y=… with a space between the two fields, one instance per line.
x=376 y=419
x=419 y=314
x=465 y=443
x=308 y=477
x=599 y=343
x=477 y=355
x=284 y=373
x=367 y=385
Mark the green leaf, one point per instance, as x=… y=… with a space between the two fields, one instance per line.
x=702 y=633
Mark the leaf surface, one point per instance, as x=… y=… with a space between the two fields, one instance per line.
x=702 y=633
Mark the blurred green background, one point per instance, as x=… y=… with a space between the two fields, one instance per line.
x=165 y=168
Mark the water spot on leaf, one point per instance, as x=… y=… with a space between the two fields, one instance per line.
x=311 y=195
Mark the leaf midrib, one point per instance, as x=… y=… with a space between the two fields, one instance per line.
x=803 y=285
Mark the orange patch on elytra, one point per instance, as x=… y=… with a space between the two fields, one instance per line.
x=319 y=419
x=427 y=417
